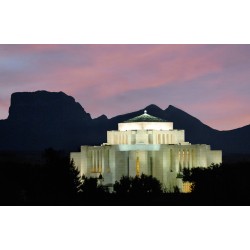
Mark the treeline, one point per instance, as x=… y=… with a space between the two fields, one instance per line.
x=55 y=181
x=224 y=184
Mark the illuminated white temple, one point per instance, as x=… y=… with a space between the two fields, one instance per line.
x=144 y=144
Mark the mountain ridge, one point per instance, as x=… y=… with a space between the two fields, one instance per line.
x=43 y=119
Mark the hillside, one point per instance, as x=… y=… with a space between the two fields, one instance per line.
x=42 y=119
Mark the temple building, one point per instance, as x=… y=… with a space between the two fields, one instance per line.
x=144 y=144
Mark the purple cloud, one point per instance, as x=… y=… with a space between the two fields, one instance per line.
x=210 y=82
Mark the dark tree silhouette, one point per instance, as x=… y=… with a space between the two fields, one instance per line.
x=146 y=185
x=123 y=186
x=63 y=178
x=56 y=181
x=92 y=191
x=138 y=190
x=225 y=184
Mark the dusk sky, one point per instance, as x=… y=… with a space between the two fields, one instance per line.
x=210 y=82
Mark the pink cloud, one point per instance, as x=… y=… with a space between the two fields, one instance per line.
x=4 y=107
x=123 y=69
x=107 y=71
x=125 y=72
x=221 y=111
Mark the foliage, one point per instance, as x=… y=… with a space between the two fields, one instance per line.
x=63 y=178
x=54 y=180
x=138 y=185
x=220 y=184
x=90 y=186
x=123 y=186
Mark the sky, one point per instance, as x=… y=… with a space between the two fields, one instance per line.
x=210 y=82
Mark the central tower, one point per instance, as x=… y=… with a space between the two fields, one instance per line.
x=146 y=129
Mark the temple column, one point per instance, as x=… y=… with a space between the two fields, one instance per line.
x=92 y=159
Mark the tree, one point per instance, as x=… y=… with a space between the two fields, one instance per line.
x=137 y=186
x=123 y=186
x=220 y=184
x=59 y=179
x=74 y=180
x=92 y=191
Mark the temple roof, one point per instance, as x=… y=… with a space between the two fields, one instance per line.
x=145 y=118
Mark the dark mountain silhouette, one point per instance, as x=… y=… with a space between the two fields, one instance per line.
x=42 y=119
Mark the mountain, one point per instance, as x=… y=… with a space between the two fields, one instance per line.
x=42 y=119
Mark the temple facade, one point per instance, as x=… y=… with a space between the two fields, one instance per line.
x=144 y=144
